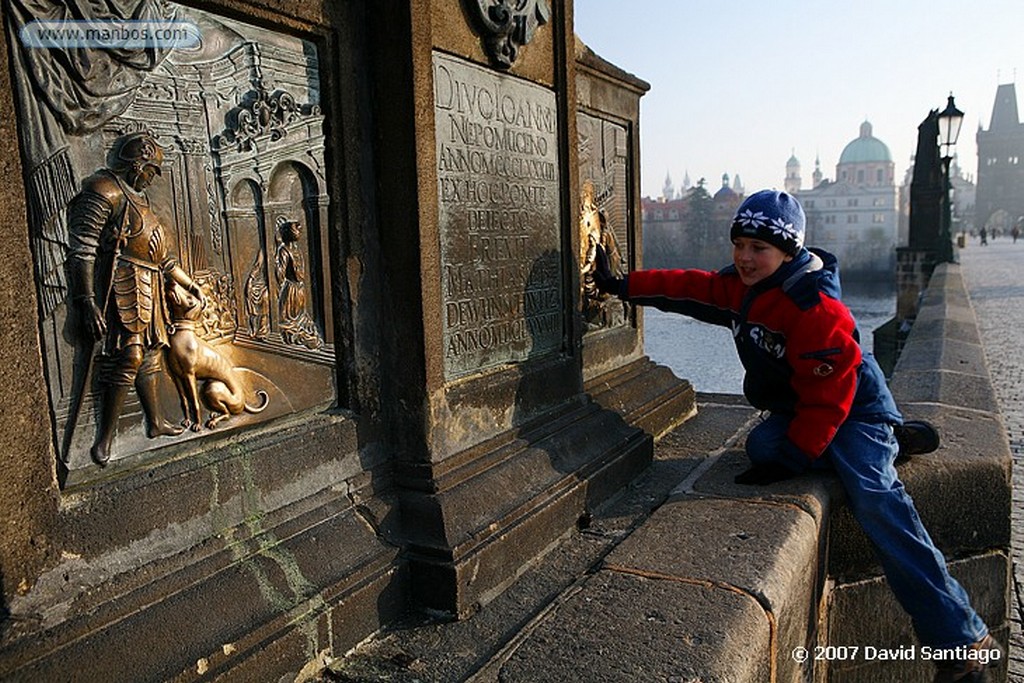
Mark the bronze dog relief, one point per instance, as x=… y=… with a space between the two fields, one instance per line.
x=178 y=218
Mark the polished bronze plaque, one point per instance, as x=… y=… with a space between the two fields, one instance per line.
x=178 y=219
x=499 y=218
x=604 y=213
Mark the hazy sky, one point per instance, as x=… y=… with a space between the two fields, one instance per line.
x=738 y=86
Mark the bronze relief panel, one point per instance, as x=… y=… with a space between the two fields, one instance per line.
x=603 y=214
x=178 y=221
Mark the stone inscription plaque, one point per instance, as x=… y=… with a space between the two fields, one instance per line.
x=499 y=217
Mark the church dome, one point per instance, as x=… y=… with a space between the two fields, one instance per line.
x=725 y=192
x=865 y=149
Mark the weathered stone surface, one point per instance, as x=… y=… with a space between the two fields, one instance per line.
x=681 y=631
x=942 y=353
x=718 y=420
x=223 y=605
x=950 y=387
x=646 y=395
x=766 y=549
x=956 y=323
x=813 y=493
x=505 y=506
x=853 y=620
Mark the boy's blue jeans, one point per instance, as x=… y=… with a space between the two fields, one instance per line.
x=862 y=454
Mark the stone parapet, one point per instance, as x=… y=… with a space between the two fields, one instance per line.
x=962 y=491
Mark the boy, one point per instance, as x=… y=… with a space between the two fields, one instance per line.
x=827 y=402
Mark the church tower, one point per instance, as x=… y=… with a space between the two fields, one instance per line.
x=1000 y=190
x=793 y=181
x=668 y=191
x=817 y=175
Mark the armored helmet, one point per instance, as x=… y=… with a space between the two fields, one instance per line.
x=140 y=149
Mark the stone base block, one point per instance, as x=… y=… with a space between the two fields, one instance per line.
x=259 y=607
x=503 y=508
x=865 y=617
x=646 y=395
x=625 y=627
x=766 y=550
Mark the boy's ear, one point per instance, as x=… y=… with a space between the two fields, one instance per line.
x=787 y=258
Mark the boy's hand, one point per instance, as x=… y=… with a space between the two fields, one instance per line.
x=604 y=279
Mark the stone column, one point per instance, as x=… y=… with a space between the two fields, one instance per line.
x=501 y=446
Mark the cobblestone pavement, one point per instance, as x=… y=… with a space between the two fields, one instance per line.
x=995 y=282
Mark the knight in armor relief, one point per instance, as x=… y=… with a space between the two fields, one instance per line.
x=121 y=260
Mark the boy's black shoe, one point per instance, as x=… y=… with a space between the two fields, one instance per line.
x=916 y=437
x=969 y=670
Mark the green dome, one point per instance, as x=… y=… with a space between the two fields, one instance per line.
x=865 y=149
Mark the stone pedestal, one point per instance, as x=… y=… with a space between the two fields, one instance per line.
x=381 y=206
x=616 y=372
x=913 y=271
x=538 y=401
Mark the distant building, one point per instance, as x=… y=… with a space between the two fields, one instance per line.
x=854 y=216
x=817 y=176
x=692 y=230
x=668 y=191
x=965 y=198
x=793 y=181
x=663 y=231
x=723 y=209
x=1000 y=190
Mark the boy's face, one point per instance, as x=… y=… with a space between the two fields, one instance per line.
x=756 y=259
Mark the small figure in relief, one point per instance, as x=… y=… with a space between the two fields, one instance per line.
x=297 y=327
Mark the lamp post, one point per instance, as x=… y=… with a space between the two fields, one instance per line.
x=950 y=120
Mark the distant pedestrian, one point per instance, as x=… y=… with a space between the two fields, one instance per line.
x=1015 y=233
x=827 y=402
x=984 y=237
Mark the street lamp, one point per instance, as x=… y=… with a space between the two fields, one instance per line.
x=950 y=120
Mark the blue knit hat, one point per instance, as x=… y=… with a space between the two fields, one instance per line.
x=773 y=217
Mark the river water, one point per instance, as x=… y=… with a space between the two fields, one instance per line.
x=705 y=355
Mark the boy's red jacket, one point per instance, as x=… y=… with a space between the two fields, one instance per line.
x=797 y=341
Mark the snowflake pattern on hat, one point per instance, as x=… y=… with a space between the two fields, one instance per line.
x=781 y=227
x=755 y=220
x=749 y=218
x=773 y=217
